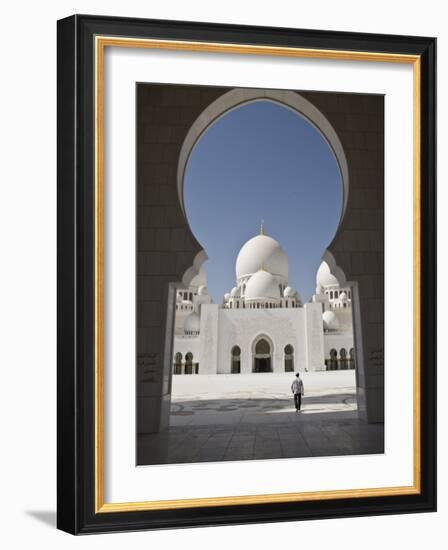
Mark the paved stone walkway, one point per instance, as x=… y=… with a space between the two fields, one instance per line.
x=216 y=418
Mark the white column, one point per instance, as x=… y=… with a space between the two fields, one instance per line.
x=315 y=359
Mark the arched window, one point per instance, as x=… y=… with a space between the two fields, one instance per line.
x=332 y=363
x=343 y=362
x=177 y=363
x=351 y=361
x=289 y=358
x=235 y=360
x=189 y=363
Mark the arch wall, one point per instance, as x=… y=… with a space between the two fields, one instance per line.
x=236 y=98
x=170 y=120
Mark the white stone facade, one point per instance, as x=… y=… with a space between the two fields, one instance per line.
x=262 y=325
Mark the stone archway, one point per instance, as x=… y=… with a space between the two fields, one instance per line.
x=301 y=105
x=239 y=96
x=288 y=352
x=171 y=256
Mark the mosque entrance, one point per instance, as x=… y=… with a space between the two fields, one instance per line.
x=262 y=357
x=182 y=259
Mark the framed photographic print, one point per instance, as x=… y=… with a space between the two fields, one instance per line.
x=246 y=274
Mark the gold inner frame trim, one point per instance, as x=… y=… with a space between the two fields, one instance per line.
x=101 y=42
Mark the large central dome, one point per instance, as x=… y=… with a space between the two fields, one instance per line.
x=262 y=251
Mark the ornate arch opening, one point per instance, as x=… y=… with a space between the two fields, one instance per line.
x=262 y=354
x=301 y=106
x=289 y=358
x=235 y=360
x=236 y=98
x=177 y=363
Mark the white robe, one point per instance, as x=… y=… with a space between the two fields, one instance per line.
x=297 y=386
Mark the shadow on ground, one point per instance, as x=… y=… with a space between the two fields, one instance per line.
x=337 y=402
x=209 y=430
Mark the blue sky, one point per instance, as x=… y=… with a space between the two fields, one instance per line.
x=262 y=161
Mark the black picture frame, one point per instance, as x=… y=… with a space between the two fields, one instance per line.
x=76 y=474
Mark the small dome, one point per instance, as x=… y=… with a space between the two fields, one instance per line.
x=262 y=285
x=324 y=277
x=226 y=296
x=331 y=322
x=202 y=290
x=265 y=251
x=289 y=292
x=235 y=291
x=343 y=296
x=192 y=323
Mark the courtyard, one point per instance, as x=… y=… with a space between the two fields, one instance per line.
x=250 y=417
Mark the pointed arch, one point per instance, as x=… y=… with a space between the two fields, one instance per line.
x=262 y=354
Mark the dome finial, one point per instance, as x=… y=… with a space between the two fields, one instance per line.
x=262 y=227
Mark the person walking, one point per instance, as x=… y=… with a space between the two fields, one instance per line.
x=297 y=390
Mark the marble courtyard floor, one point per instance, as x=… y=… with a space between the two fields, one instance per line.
x=247 y=417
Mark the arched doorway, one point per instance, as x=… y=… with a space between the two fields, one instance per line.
x=189 y=363
x=307 y=106
x=262 y=356
x=235 y=361
x=351 y=362
x=343 y=362
x=177 y=363
x=289 y=358
x=332 y=363
x=196 y=114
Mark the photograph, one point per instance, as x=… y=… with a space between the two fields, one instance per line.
x=246 y=259
x=243 y=228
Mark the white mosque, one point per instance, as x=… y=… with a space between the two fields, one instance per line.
x=262 y=325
